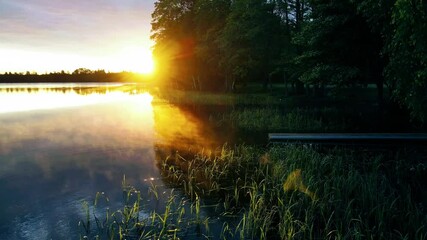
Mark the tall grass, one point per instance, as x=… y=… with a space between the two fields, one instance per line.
x=285 y=192
x=298 y=193
x=134 y=220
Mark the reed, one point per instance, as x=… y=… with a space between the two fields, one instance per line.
x=135 y=221
x=299 y=193
x=284 y=192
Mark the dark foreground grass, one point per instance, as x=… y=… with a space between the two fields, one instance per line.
x=287 y=192
x=176 y=218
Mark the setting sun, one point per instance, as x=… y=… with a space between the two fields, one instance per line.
x=137 y=59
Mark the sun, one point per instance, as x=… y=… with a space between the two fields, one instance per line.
x=138 y=60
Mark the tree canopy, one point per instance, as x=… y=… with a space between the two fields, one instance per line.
x=211 y=45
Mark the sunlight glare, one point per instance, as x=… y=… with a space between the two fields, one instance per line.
x=137 y=59
x=44 y=99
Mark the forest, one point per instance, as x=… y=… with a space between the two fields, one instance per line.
x=79 y=75
x=223 y=45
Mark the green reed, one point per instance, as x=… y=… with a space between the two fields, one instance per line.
x=284 y=192
x=135 y=221
x=298 y=193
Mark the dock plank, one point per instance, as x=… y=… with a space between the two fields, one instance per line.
x=348 y=137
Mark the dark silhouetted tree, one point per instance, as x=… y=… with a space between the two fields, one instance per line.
x=407 y=49
x=250 y=42
x=339 y=47
x=210 y=19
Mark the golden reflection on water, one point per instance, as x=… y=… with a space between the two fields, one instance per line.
x=103 y=119
x=19 y=100
x=180 y=130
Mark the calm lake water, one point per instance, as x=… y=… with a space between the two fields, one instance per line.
x=61 y=144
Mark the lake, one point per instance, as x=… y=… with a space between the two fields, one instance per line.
x=60 y=144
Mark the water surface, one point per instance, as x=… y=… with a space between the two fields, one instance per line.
x=60 y=144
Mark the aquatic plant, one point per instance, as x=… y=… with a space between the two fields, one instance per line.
x=285 y=192
x=135 y=221
x=296 y=192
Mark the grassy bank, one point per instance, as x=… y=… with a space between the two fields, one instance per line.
x=299 y=193
x=292 y=193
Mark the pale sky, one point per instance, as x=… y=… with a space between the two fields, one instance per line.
x=54 y=35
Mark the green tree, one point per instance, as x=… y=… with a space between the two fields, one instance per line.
x=210 y=19
x=82 y=71
x=172 y=28
x=407 y=68
x=377 y=14
x=293 y=14
x=250 y=41
x=339 y=47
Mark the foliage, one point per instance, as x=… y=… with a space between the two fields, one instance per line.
x=172 y=30
x=212 y=45
x=407 y=69
x=201 y=44
x=210 y=19
x=251 y=39
x=339 y=47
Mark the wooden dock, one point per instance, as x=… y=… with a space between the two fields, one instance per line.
x=349 y=138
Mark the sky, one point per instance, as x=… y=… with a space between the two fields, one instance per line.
x=54 y=35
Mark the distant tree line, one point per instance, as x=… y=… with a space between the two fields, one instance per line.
x=78 y=75
x=219 y=44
